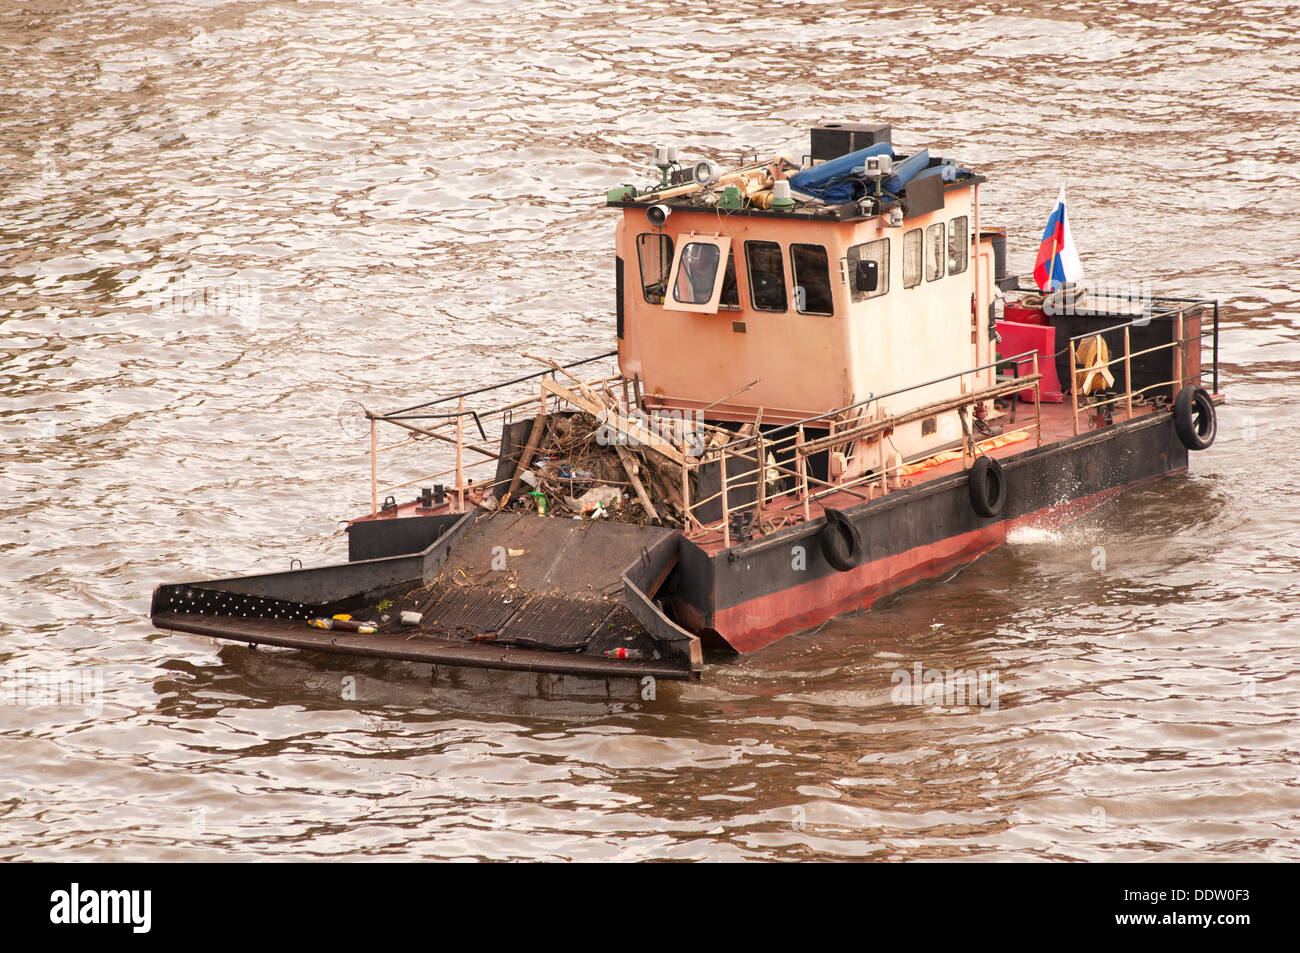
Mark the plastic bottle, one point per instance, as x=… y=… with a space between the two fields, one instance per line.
x=540 y=498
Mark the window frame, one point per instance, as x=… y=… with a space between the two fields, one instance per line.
x=940 y=251
x=854 y=255
x=920 y=256
x=640 y=262
x=735 y=280
x=710 y=305
x=794 y=274
x=965 y=244
x=753 y=285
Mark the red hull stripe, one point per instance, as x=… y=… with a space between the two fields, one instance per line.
x=757 y=622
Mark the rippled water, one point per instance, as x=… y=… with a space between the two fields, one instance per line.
x=413 y=191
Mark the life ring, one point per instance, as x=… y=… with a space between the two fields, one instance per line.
x=841 y=542
x=988 y=486
x=1194 y=418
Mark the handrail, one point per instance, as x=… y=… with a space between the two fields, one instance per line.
x=754 y=473
x=1177 y=346
x=1143 y=321
x=774 y=462
x=450 y=428
x=491 y=387
x=893 y=393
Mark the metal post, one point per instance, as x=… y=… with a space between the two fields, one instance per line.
x=726 y=515
x=460 y=455
x=880 y=457
x=803 y=472
x=374 y=469
x=1074 y=392
x=967 y=448
x=687 y=517
x=1128 y=375
x=1038 y=413
x=1216 y=347
x=1178 y=354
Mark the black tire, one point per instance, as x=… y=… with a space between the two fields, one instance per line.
x=988 y=487
x=1194 y=418
x=841 y=542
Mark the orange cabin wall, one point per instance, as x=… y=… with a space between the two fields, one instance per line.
x=690 y=359
x=807 y=364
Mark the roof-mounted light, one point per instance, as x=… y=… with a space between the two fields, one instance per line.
x=707 y=172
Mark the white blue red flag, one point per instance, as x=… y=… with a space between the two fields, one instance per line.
x=1057 y=262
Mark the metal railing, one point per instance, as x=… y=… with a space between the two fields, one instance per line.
x=769 y=462
x=853 y=445
x=449 y=429
x=1179 y=314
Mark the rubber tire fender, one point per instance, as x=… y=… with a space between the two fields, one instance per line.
x=988 y=486
x=841 y=542
x=1195 y=421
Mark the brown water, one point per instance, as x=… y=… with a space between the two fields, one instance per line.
x=414 y=192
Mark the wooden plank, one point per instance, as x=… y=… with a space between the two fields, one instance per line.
x=662 y=577
x=629 y=466
x=526 y=457
x=620 y=423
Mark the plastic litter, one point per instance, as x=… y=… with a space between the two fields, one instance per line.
x=598 y=498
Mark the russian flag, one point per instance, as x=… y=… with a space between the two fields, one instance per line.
x=1057 y=262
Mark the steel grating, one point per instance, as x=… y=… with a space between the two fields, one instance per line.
x=466 y=613
x=556 y=622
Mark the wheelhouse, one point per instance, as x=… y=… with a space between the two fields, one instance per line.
x=734 y=304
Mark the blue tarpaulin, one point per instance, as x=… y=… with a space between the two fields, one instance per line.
x=834 y=182
x=842 y=180
x=904 y=171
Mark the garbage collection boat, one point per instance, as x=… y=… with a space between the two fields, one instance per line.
x=827 y=387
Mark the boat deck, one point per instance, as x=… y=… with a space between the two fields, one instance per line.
x=786 y=510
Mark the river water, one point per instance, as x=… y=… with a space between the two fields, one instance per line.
x=390 y=201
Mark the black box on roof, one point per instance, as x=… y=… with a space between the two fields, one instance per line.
x=923 y=195
x=831 y=140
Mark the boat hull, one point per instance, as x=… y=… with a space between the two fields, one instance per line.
x=753 y=594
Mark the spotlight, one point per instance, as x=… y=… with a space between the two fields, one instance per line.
x=706 y=172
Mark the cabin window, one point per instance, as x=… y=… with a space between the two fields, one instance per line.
x=934 y=252
x=878 y=252
x=912 y=258
x=698 y=273
x=958 y=245
x=656 y=255
x=766 y=276
x=812 y=279
x=730 y=299
x=618 y=296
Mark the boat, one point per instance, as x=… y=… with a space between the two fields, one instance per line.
x=825 y=387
